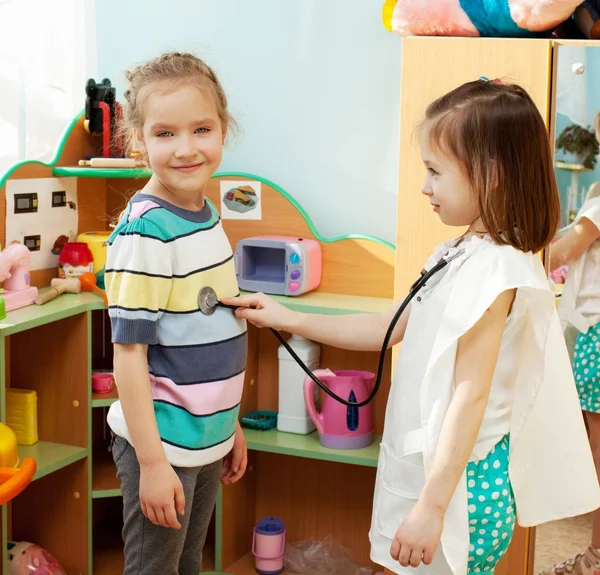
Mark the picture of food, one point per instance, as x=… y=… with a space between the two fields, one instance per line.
x=241 y=199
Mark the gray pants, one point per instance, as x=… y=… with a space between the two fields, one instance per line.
x=155 y=550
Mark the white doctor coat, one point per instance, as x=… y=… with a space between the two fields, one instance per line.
x=548 y=436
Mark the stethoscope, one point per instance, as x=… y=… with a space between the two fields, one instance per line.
x=208 y=303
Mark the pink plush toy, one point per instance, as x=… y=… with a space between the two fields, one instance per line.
x=492 y=18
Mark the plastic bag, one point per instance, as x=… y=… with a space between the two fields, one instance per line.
x=321 y=557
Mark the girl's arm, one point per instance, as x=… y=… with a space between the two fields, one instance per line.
x=476 y=358
x=573 y=243
x=364 y=332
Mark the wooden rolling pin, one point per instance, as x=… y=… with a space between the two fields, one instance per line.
x=59 y=286
x=111 y=163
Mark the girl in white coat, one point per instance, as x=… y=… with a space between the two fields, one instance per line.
x=470 y=441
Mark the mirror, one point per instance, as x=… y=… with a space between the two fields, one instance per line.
x=577 y=169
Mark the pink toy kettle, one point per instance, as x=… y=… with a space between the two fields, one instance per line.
x=341 y=426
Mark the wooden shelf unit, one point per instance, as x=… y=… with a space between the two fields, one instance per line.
x=317 y=492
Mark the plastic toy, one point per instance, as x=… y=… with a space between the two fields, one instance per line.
x=15 y=261
x=88 y=283
x=102 y=382
x=501 y=19
x=59 y=286
x=260 y=420
x=25 y=558
x=102 y=111
x=21 y=415
x=75 y=259
x=12 y=478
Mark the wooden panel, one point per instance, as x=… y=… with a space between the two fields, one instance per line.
x=238 y=515
x=344 y=262
x=425 y=77
x=317 y=499
x=118 y=193
x=331 y=358
x=52 y=360
x=91 y=200
x=53 y=512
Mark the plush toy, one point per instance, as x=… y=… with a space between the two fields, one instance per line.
x=492 y=18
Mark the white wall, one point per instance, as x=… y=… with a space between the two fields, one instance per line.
x=47 y=52
x=314 y=84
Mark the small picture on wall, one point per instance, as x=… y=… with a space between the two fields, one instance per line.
x=240 y=200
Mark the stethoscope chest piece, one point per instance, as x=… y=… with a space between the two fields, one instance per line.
x=207 y=300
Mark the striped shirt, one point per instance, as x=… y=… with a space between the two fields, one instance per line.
x=159 y=258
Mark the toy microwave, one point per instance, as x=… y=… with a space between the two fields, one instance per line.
x=278 y=265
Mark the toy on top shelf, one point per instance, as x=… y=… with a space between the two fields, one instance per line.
x=15 y=261
x=499 y=18
x=112 y=163
x=59 y=286
x=278 y=264
x=102 y=113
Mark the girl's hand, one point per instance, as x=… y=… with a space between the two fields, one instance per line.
x=234 y=463
x=161 y=494
x=261 y=310
x=418 y=537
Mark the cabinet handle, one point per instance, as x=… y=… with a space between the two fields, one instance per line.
x=75 y=403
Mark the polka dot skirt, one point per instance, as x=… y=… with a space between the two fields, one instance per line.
x=586 y=367
x=491 y=509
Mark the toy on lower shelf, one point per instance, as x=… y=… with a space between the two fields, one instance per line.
x=262 y=420
x=25 y=558
x=15 y=261
x=21 y=415
x=13 y=479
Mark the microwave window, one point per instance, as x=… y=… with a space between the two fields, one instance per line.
x=264 y=264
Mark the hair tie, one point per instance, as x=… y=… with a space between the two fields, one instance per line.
x=486 y=79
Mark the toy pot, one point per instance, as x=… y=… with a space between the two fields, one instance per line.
x=340 y=426
x=268 y=545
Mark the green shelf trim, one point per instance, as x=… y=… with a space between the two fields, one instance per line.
x=57 y=153
x=104 y=493
x=85 y=172
x=64 y=306
x=51 y=457
x=103 y=402
x=273 y=441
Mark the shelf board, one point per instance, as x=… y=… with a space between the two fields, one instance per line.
x=104 y=474
x=51 y=457
x=63 y=306
x=274 y=441
x=245 y=566
x=87 y=172
x=333 y=303
x=105 y=399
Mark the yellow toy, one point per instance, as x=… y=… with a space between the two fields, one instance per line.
x=12 y=478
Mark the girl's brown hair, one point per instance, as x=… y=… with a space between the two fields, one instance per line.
x=171 y=70
x=496 y=133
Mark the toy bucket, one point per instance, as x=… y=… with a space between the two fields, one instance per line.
x=268 y=544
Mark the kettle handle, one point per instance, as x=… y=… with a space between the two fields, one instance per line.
x=309 y=397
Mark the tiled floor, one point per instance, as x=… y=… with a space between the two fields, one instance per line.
x=559 y=540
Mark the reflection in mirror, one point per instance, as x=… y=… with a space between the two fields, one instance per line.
x=575 y=276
